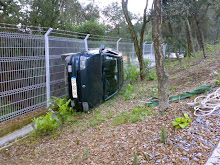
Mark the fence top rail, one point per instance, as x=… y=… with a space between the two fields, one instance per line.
x=59 y=38
x=20 y=35
x=56 y=31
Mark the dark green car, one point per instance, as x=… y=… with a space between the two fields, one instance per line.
x=93 y=77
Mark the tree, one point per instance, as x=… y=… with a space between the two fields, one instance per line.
x=44 y=13
x=115 y=20
x=114 y=15
x=64 y=14
x=74 y=14
x=91 y=27
x=91 y=12
x=190 y=45
x=10 y=11
x=137 y=45
x=199 y=10
x=174 y=17
x=161 y=73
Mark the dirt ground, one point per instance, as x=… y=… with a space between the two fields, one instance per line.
x=106 y=144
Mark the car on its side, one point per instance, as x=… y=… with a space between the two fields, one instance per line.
x=93 y=77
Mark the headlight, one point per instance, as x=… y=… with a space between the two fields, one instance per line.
x=83 y=62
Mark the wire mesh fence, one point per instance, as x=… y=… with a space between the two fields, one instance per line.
x=59 y=46
x=22 y=74
x=23 y=85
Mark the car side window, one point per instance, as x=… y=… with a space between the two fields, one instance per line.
x=110 y=76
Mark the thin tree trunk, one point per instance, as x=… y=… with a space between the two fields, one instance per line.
x=190 y=46
x=174 y=44
x=138 y=47
x=200 y=36
x=161 y=73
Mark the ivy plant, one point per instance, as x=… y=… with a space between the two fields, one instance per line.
x=182 y=122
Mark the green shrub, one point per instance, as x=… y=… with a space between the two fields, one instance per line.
x=210 y=48
x=152 y=75
x=62 y=108
x=59 y=112
x=182 y=122
x=147 y=63
x=46 y=124
x=131 y=73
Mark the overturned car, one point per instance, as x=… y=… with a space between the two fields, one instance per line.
x=93 y=77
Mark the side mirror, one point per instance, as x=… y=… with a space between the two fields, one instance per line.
x=102 y=47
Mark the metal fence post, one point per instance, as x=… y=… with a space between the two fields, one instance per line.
x=132 y=52
x=164 y=49
x=144 y=47
x=86 y=43
x=118 y=43
x=151 y=49
x=47 y=59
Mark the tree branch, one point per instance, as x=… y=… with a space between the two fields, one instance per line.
x=204 y=13
x=143 y=26
x=130 y=25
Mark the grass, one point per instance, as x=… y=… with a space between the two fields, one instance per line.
x=173 y=88
x=217 y=81
x=186 y=66
x=163 y=135
x=85 y=154
x=135 y=161
x=128 y=92
x=138 y=113
x=94 y=118
x=122 y=118
x=98 y=118
x=153 y=90
x=146 y=91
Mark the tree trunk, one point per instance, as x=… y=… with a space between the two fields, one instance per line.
x=190 y=46
x=174 y=44
x=200 y=36
x=138 y=47
x=161 y=73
